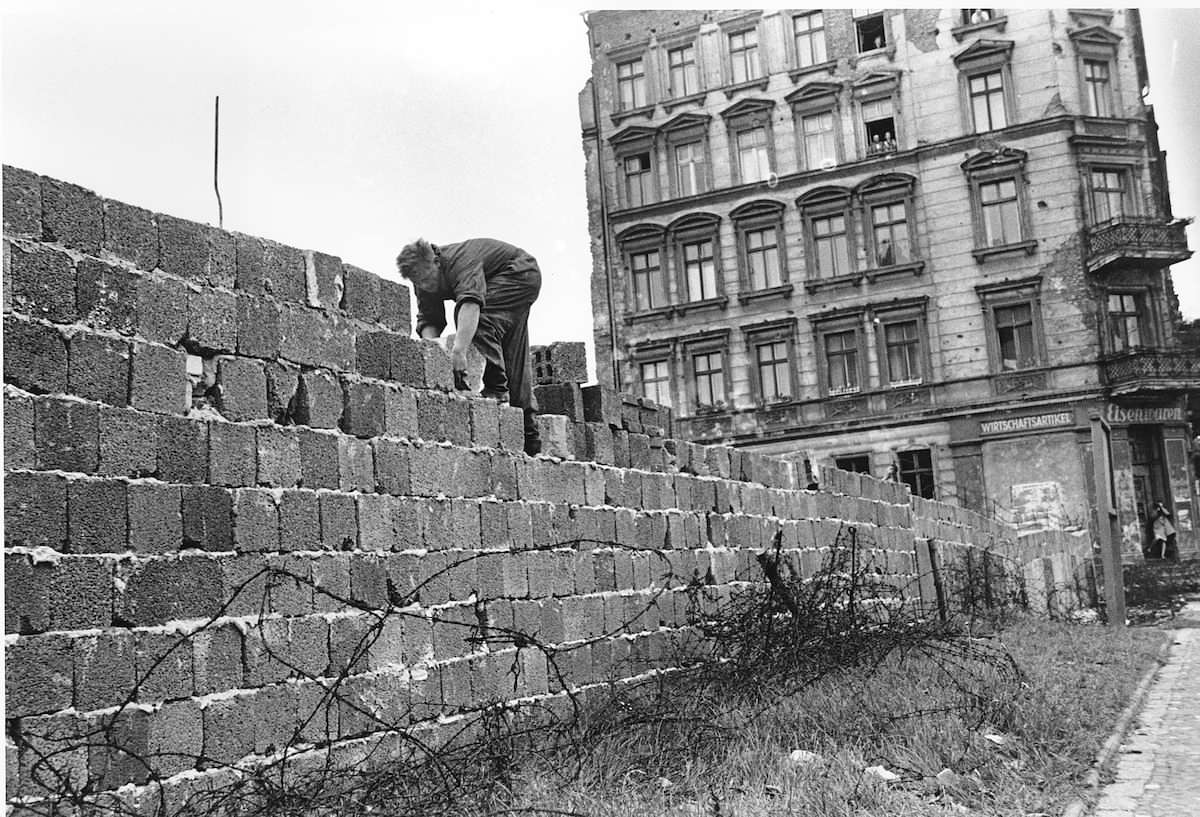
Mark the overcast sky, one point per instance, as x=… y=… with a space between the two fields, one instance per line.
x=354 y=127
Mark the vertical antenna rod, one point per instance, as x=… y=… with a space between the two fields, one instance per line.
x=216 y=155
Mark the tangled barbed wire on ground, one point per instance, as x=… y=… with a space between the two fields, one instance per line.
x=357 y=743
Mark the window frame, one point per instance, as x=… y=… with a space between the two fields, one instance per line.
x=622 y=106
x=1130 y=198
x=747 y=115
x=752 y=217
x=732 y=54
x=983 y=58
x=860 y=16
x=637 y=240
x=825 y=327
x=672 y=92
x=1008 y=294
x=706 y=344
x=1144 y=314
x=691 y=229
x=1101 y=45
x=625 y=144
x=871 y=89
x=816 y=99
x=820 y=204
x=772 y=332
x=917 y=471
x=665 y=361
x=889 y=190
x=685 y=129
x=1006 y=164
x=864 y=456
x=813 y=32
x=913 y=311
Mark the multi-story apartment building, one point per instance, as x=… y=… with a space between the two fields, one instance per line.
x=927 y=243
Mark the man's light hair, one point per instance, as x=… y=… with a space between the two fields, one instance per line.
x=414 y=255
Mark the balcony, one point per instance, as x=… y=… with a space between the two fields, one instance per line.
x=1151 y=371
x=1135 y=241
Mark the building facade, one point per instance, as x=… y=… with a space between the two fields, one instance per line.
x=927 y=243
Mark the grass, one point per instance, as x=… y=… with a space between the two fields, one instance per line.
x=726 y=751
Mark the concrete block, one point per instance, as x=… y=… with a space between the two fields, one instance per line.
x=207 y=518
x=319 y=458
x=257 y=326
x=255 y=521
x=160 y=590
x=107 y=296
x=392 y=466
x=22 y=202
x=196 y=252
x=312 y=338
x=241 y=389
x=278 y=456
x=512 y=428
x=299 y=520
x=376 y=528
x=161 y=309
x=155 y=517
x=356 y=465
x=163 y=666
x=561 y=362
x=360 y=295
x=35 y=356
x=400 y=410
x=365 y=409
x=71 y=215
x=556 y=437
x=458 y=419
x=319 y=399
x=104 y=670
x=96 y=516
x=325 y=279
x=217 y=659
x=182 y=450
x=128 y=443
x=229 y=729
x=39 y=675
x=395 y=311
x=265 y=267
x=212 y=322
x=601 y=405
x=373 y=354
x=66 y=435
x=175 y=738
x=131 y=233
x=19 y=449
x=561 y=398
x=339 y=522
x=232 y=455
x=485 y=423
x=159 y=380
x=283 y=383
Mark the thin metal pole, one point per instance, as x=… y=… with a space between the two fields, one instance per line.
x=1106 y=521
x=216 y=157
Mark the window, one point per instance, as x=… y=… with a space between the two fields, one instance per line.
x=754 y=161
x=1013 y=319
x=916 y=471
x=638 y=179
x=841 y=361
x=1001 y=212
x=656 y=381
x=817 y=133
x=890 y=234
x=869 y=29
x=690 y=169
x=879 y=124
x=854 y=463
x=762 y=258
x=631 y=84
x=743 y=56
x=1125 y=322
x=968 y=17
x=987 y=101
x=649 y=284
x=707 y=368
x=902 y=343
x=1108 y=194
x=809 y=32
x=685 y=78
x=831 y=245
x=700 y=270
x=1097 y=89
x=774 y=374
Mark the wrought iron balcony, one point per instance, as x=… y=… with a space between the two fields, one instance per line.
x=1135 y=241
x=1151 y=370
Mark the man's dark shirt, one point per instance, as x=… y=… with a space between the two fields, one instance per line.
x=484 y=271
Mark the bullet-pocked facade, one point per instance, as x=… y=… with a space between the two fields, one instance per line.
x=933 y=244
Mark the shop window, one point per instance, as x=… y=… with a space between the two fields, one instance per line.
x=916 y=471
x=683 y=74
x=854 y=463
x=656 y=381
x=869 y=29
x=1012 y=313
x=1127 y=322
x=743 y=56
x=631 y=84
x=808 y=31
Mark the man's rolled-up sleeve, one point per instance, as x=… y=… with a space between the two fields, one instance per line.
x=431 y=311
x=470 y=287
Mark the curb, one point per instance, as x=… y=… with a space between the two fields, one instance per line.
x=1091 y=782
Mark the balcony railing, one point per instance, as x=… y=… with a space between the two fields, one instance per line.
x=1137 y=240
x=1152 y=371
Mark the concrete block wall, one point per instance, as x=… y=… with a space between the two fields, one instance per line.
x=248 y=519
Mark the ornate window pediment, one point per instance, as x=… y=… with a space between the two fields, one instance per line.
x=632 y=135
x=987 y=160
x=814 y=92
x=886 y=183
x=686 y=122
x=694 y=221
x=824 y=195
x=984 y=51
x=749 y=109
x=640 y=233
x=876 y=83
x=761 y=208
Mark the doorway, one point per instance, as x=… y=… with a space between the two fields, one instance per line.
x=1149 y=475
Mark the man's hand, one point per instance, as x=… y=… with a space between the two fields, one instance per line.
x=458 y=359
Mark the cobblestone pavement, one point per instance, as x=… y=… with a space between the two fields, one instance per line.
x=1158 y=768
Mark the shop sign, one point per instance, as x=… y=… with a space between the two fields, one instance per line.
x=1145 y=415
x=1034 y=421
